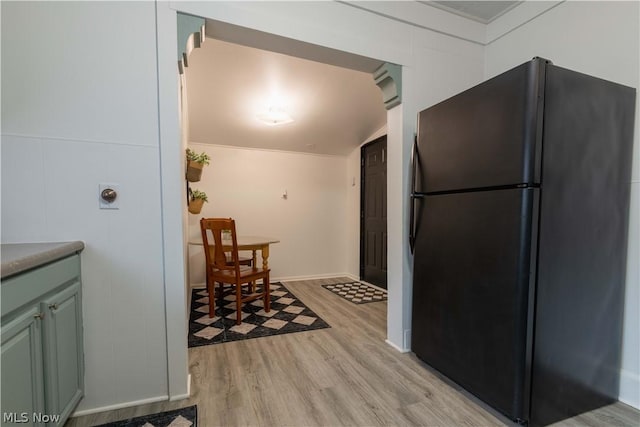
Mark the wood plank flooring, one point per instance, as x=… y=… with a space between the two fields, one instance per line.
x=343 y=375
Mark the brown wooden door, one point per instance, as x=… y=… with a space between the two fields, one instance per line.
x=373 y=213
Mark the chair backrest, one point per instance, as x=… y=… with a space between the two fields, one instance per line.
x=218 y=259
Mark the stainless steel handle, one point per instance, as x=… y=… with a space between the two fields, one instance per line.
x=39 y=316
x=412 y=206
x=53 y=306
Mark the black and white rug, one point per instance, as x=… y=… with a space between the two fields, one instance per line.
x=357 y=293
x=184 y=417
x=288 y=314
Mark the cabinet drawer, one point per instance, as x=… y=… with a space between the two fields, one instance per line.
x=24 y=288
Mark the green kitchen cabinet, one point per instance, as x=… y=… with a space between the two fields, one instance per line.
x=22 y=378
x=63 y=350
x=42 y=347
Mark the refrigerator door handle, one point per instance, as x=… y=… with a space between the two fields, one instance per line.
x=412 y=220
x=412 y=238
x=414 y=164
x=412 y=206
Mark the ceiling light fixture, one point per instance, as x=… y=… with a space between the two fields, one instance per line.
x=275 y=116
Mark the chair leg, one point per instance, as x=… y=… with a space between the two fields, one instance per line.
x=238 y=304
x=267 y=293
x=212 y=297
x=221 y=294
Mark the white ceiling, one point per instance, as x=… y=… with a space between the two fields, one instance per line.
x=331 y=95
x=334 y=109
x=481 y=11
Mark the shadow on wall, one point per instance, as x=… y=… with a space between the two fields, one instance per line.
x=197 y=276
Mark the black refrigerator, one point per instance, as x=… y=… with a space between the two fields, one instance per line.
x=519 y=218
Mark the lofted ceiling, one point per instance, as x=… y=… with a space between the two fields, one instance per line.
x=334 y=109
x=239 y=73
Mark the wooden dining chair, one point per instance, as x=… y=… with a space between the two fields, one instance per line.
x=242 y=260
x=224 y=268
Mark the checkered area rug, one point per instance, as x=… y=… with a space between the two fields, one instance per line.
x=287 y=314
x=357 y=293
x=184 y=417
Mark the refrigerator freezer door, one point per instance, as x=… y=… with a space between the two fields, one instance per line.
x=487 y=136
x=471 y=294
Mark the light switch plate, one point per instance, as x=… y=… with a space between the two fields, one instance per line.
x=103 y=203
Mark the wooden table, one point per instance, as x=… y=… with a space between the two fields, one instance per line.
x=249 y=243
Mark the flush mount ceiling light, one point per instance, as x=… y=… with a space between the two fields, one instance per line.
x=275 y=116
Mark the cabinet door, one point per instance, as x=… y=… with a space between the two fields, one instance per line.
x=63 y=351
x=22 y=380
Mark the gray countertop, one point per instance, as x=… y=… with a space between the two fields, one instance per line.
x=20 y=257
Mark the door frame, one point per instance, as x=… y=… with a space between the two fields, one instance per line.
x=172 y=196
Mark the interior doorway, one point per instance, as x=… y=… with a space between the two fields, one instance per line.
x=336 y=106
x=173 y=191
x=373 y=212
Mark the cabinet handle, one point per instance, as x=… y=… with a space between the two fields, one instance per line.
x=39 y=316
x=53 y=306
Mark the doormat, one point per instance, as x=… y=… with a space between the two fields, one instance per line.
x=184 y=417
x=357 y=293
x=288 y=314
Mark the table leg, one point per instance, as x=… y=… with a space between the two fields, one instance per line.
x=265 y=256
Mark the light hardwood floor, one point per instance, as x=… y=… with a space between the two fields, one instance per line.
x=343 y=375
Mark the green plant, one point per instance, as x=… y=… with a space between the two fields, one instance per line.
x=199 y=158
x=197 y=194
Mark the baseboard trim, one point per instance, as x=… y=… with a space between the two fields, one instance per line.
x=200 y=285
x=183 y=396
x=179 y=397
x=312 y=277
x=400 y=349
x=119 y=406
x=629 y=388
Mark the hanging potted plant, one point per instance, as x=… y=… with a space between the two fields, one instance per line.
x=195 y=163
x=196 y=201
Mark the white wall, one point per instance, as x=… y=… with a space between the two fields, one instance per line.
x=247 y=185
x=353 y=213
x=79 y=108
x=601 y=39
